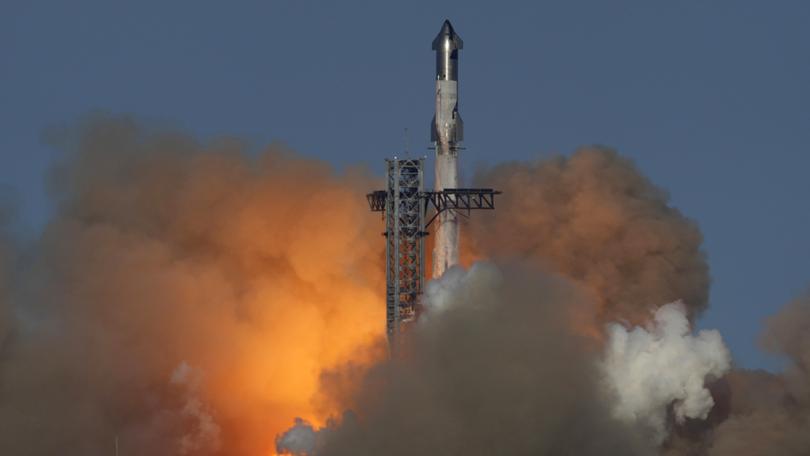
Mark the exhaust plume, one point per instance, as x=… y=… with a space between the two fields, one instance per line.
x=491 y=370
x=595 y=219
x=192 y=298
x=494 y=367
x=770 y=413
x=185 y=297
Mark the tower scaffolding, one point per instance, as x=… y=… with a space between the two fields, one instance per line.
x=405 y=206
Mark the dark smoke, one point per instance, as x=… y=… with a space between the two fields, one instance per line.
x=596 y=219
x=492 y=370
x=770 y=413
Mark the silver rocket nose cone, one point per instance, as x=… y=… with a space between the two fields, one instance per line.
x=447 y=34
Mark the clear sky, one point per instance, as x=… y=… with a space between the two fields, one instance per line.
x=710 y=99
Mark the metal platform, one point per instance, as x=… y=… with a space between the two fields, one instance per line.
x=458 y=199
x=404 y=205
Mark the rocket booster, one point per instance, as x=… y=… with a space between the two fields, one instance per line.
x=446 y=132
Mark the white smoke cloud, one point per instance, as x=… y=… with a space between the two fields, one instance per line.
x=650 y=369
x=440 y=292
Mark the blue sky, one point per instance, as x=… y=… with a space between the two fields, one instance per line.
x=710 y=99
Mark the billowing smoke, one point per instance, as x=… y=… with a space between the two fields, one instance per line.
x=497 y=372
x=301 y=439
x=192 y=298
x=494 y=368
x=185 y=298
x=770 y=413
x=663 y=365
x=596 y=219
x=203 y=435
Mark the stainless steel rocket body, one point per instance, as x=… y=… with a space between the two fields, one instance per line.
x=447 y=126
x=447 y=132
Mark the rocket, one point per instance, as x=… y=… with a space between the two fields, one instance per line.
x=446 y=132
x=404 y=203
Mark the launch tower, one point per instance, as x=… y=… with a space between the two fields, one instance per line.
x=408 y=210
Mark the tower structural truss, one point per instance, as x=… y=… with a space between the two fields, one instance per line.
x=406 y=207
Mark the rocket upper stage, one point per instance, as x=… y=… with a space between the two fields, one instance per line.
x=447 y=44
x=447 y=128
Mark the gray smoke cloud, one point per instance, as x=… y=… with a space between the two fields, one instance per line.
x=770 y=413
x=301 y=439
x=493 y=369
x=594 y=218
